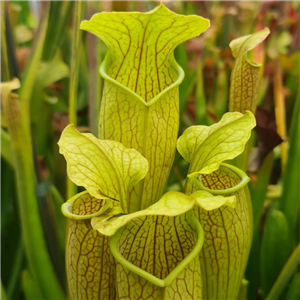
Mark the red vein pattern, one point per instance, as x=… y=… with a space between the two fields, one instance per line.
x=140 y=46
x=244 y=86
x=90 y=265
x=152 y=131
x=245 y=76
x=140 y=58
x=157 y=244
x=227 y=238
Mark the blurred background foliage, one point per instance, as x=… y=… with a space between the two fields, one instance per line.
x=58 y=69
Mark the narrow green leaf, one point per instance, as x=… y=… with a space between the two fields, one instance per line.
x=200 y=98
x=29 y=76
x=244 y=83
x=37 y=254
x=6 y=151
x=275 y=236
x=291 y=189
x=30 y=289
x=142 y=77
x=47 y=74
x=5 y=72
x=181 y=57
x=207 y=147
x=74 y=63
x=60 y=13
x=253 y=266
x=73 y=87
x=3 y=293
x=105 y=168
x=285 y=275
x=95 y=57
x=258 y=189
x=294 y=290
x=14 y=279
x=222 y=89
x=297 y=238
x=50 y=72
x=60 y=221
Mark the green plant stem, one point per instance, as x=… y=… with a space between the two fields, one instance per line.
x=5 y=76
x=71 y=187
x=259 y=189
x=96 y=82
x=258 y=192
x=275 y=236
x=221 y=90
x=16 y=269
x=28 y=78
x=29 y=287
x=60 y=220
x=294 y=288
x=200 y=97
x=59 y=18
x=6 y=152
x=291 y=179
x=3 y=293
x=74 y=64
x=35 y=246
x=280 y=111
x=287 y=272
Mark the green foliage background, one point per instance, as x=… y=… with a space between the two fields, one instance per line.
x=58 y=68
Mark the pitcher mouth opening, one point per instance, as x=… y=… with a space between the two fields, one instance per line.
x=180 y=78
x=84 y=207
x=161 y=282
x=226 y=180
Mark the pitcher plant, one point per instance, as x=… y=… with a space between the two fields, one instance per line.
x=125 y=238
x=139 y=106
